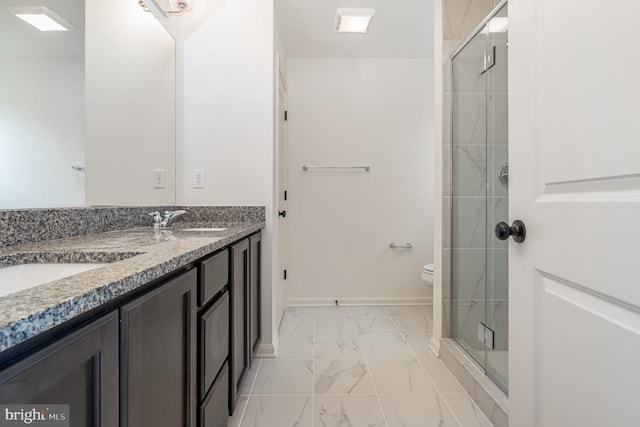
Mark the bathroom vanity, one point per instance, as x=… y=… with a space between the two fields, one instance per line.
x=162 y=338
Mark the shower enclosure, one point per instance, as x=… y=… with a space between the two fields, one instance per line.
x=479 y=189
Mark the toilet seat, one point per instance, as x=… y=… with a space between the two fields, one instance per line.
x=427 y=273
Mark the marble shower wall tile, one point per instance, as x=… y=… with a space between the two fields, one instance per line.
x=498 y=114
x=466 y=316
x=467 y=67
x=463 y=16
x=469 y=114
x=469 y=168
x=499 y=288
x=468 y=215
x=468 y=274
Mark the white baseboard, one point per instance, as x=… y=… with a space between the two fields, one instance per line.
x=359 y=301
x=267 y=351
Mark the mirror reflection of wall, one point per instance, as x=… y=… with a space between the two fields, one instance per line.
x=125 y=87
x=41 y=109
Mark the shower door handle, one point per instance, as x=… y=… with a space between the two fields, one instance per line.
x=517 y=230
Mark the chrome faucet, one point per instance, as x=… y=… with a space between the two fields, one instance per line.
x=160 y=223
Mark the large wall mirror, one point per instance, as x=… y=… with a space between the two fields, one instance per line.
x=87 y=116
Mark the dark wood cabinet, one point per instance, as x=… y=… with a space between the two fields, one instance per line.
x=239 y=346
x=79 y=369
x=255 y=289
x=214 y=339
x=214 y=411
x=158 y=354
x=174 y=355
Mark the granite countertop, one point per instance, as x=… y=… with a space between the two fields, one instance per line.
x=132 y=258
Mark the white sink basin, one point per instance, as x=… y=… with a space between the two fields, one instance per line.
x=24 y=276
x=204 y=229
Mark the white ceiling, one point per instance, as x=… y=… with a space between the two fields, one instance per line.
x=400 y=29
x=17 y=38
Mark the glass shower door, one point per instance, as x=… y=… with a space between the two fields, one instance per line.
x=497 y=263
x=479 y=180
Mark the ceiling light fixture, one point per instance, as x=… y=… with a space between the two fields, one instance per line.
x=41 y=17
x=351 y=20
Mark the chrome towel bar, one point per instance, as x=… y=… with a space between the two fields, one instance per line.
x=405 y=246
x=306 y=168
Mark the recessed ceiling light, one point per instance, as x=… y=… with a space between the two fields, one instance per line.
x=351 y=20
x=41 y=17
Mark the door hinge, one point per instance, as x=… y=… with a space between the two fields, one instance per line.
x=285 y=275
x=285 y=195
x=286 y=115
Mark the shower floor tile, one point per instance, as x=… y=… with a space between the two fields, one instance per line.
x=323 y=377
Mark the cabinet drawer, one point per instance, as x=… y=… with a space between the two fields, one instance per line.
x=214 y=330
x=214 y=275
x=214 y=411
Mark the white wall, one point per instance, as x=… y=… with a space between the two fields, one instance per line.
x=228 y=113
x=376 y=112
x=279 y=236
x=130 y=99
x=41 y=131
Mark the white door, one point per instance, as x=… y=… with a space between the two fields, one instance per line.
x=281 y=168
x=574 y=85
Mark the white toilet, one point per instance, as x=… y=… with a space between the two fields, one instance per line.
x=427 y=273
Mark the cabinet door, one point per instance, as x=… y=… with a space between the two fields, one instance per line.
x=158 y=354
x=79 y=369
x=255 y=302
x=239 y=357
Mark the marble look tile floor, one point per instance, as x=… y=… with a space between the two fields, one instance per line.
x=352 y=367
